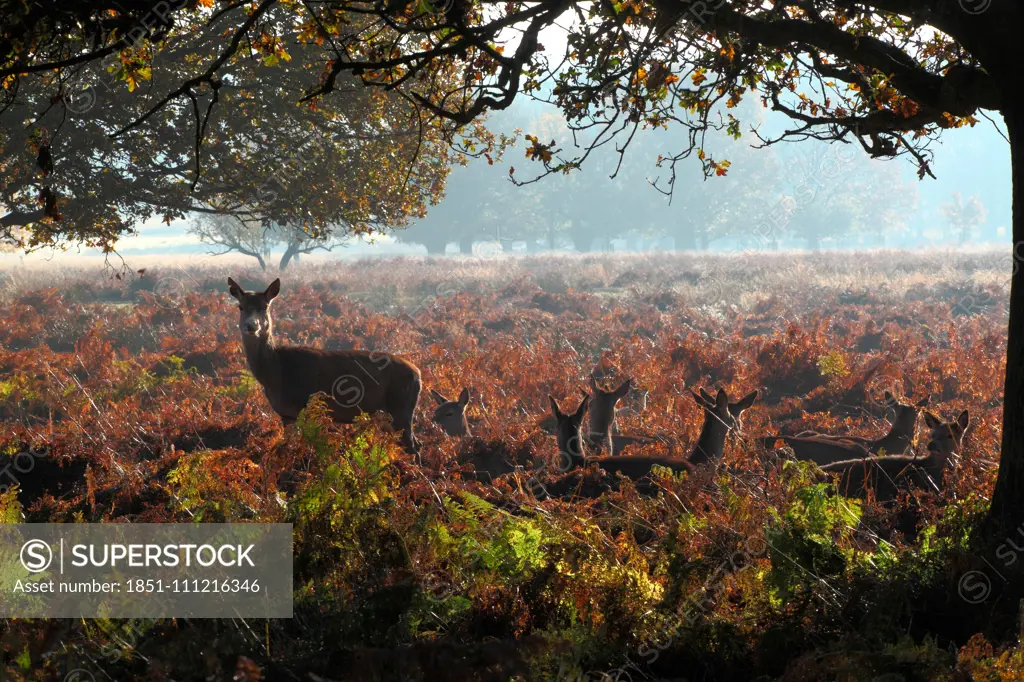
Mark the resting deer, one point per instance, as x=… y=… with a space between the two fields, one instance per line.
x=720 y=417
x=900 y=435
x=889 y=474
x=822 y=449
x=601 y=434
x=636 y=402
x=572 y=447
x=450 y=415
x=358 y=381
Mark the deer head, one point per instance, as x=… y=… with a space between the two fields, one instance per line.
x=602 y=409
x=254 y=309
x=946 y=438
x=638 y=398
x=904 y=413
x=450 y=415
x=567 y=430
x=728 y=413
x=720 y=417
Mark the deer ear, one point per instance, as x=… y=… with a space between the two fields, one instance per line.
x=624 y=388
x=582 y=409
x=699 y=400
x=963 y=421
x=722 y=399
x=234 y=289
x=887 y=396
x=273 y=290
x=464 y=397
x=593 y=384
x=438 y=398
x=554 y=408
x=707 y=396
x=923 y=401
x=747 y=400
x=931 y=420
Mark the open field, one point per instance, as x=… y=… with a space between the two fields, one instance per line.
x=137 y=391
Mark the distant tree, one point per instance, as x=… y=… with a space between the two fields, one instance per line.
x=814 y=203
x=883 y=199
x=460 y=216
x=964 y=217
x=229 y=234
x=832 y=192
x=739 y=201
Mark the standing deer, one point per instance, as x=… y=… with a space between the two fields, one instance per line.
x=889 y=474
x=720 y=417
x=358 y=381
x=450 y=415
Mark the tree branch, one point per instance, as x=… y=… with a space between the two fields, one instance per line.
x=961 y=93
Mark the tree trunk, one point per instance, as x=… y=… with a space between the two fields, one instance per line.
x=581 y=237
x=1007 y=510
x=435 y=247
x=291 y=252
x=687 y=240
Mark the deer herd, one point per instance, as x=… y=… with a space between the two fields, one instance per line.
x=363 y=381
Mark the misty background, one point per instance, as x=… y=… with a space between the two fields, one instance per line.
x=810 y=195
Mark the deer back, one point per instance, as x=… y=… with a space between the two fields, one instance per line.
x=820 y=450
x=356 y=381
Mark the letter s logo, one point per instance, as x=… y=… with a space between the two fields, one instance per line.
x=36 y=556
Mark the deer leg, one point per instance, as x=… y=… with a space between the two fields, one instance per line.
x=409 y=442
x=402 y=417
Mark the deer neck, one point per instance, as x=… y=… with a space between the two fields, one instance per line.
x=576 y=459
x=933 y=467
x=898 y=439
x=599 y=427
x=711 y=443
x=264 y=363
x=601 y=424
